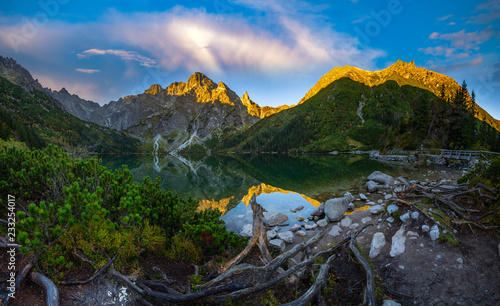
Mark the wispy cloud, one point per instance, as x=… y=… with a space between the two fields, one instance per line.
x=488 y=11
x=466 y=40
x=445 y=17
x=451 y=23
x=125 y=55
x=89 y=71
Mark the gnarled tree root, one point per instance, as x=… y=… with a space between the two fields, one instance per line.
x=48 y=286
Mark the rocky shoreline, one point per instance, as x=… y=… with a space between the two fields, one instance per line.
x=402 y=240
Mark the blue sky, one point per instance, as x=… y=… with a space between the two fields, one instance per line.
x=275 y=50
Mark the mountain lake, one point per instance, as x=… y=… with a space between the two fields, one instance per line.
x=280 y=182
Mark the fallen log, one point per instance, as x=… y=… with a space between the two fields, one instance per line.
x=48 y=286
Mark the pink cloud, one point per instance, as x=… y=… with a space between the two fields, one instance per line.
x=89 y=71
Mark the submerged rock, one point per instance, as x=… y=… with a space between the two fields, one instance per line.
x=246 y=231
x=276 y=219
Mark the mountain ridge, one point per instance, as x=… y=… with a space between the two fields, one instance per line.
x=403 y=73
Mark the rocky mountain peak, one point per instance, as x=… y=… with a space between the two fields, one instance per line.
x=176 y=88
x=199 y=79
x=153 y=89
x=17 y=74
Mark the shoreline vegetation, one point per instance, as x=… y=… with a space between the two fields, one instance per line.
x=73 y=216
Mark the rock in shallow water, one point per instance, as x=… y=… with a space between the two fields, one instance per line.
x=381 y=178
x=246 y=231
x=295 y=228
x=271 y=234
x=276 y=219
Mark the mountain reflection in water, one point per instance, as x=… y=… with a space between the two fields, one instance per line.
x=280 y=182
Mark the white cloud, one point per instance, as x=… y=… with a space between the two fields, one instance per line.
x=466 y=40
x=125 y=55
x=89 y=71
x=445 y=17
x=451 y=23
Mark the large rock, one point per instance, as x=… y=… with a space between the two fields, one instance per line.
x=278 y=243
x=246 y=231
x=378 y=242
x=398 y=243
x=336 y=208
x=287 y=237
x=371 y=186
x=276 y=219
x=381 y=178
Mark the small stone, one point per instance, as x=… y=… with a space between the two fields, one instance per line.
x=301 y=233
x=346 y=221
x=322 y=223
x=405 y=217
x=335 y=231
x=412 y=234
x=378 y=242
x=295 y=227
x=460 y=260
x=246 y=231
x=287 y=237
x=271 y=234
x=363 y=197
x=438 y=256
x=434 y=233
x=398 y=243
x=380 y=201
x=366 y=220
x=300 y=218
x=401 y=267
x=392 y=208
x=390 y=303
x=316 y=218
x=371 y=203
x=388 y=196
x=414 y=215
x=377 y=209
x=425 y=228
x=310 y=227
x=353 y=226
x=277 y=228
x=299 y=208
x=351 y=206
x=390 y=219
x=278 y=243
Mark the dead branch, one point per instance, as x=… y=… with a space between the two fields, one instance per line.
x=48 y=286
x=259 y=237
x=125 y=279
x=84 y=259
x=370 y=281
x=104 y=268
x=183 y=298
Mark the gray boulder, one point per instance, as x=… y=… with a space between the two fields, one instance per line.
x=371 y=186
x=381 y=178
x=276 y=219
x=336 y=208
x=434 y=233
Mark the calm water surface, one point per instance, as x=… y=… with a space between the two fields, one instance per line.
x=279 y=182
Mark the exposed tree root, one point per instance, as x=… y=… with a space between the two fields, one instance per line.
x=48 y=286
